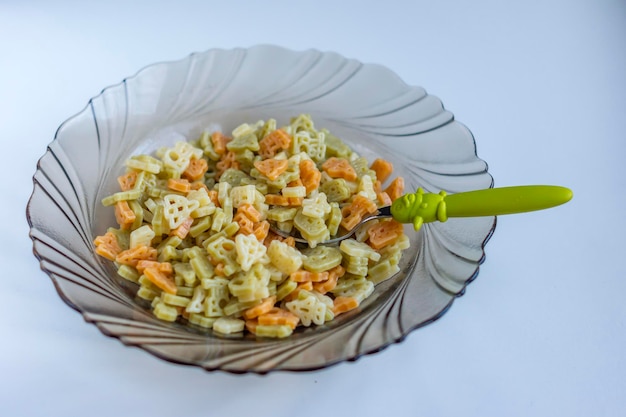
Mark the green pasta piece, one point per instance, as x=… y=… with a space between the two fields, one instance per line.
x=335 y=146
x=121 y=196
x=185 y=291
x=145 y=163
x=187 y=273
x=268 y=127
x=160 y=225
x=273 y=330
x=200 y=226
x=164 y=312
x=321 y=258
x=147 y=293
x=246 y=159
x=174 y=300
x=128 y=272
x=361 y=166
x=285 y=289
x=233 y=176
x=302 y=122
x=244 y=142
x=251 y=285
x=217 y=296
x=201 y=320
x=281 y=214
x=336 y=190
x=235 y=308
x=334 y=219
x=202 y=267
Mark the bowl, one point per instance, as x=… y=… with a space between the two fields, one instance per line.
x=366 y=105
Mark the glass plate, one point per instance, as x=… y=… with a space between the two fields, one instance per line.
x=367 y=105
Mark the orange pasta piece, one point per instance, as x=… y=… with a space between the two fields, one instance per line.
x=132 y=256
x=384 y=233
x=183 y=229
x=330 y=284
x=250 y=212
x=227 y=161
x=124 y=214
x=339 y=168
x=219 y=269
x=382 y=168
x=198 y=185
x=353 y=213
x=246 y=226
x=263 y=307
x=107 y=246
x=219 y=142
x=310 y=176
x=297 y=182
x=272 y=168
x=261 y=229
x=280 y=200
x=164 y=267
x=196 y=169
x=180 y=185
x=251 y=325
x=333 y=275
x=279 y=316
x=396 y=188
x=273 y=143
x=384 y=199
x=128 y=180
x=213 y=195
x=271 y=236
x=308 y=276
x=160 y=279
x=342 y=304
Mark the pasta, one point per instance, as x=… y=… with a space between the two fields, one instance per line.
x=193 y=228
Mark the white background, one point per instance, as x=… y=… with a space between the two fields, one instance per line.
x=541 y=84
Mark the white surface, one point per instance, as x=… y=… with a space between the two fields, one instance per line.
x=542 y=330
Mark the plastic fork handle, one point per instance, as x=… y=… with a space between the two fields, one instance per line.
x=420 y=207
x=506 y=200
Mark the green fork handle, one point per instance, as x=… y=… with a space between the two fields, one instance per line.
x=421 y=207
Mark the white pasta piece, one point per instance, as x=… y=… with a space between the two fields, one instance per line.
x=177 y=158
x=316 y=206
x=285 y=258
x=296 y=191
x=366 y=188
x=195 y=305
x=354 y=248
x=141 y=236
x=177 y=209
x=227 y=325
x=308 y=308
x=249 y=250
x=243 y=194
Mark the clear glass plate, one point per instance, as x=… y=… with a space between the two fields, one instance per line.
x=367 y=105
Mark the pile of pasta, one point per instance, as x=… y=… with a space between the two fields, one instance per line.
x=194 y=228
